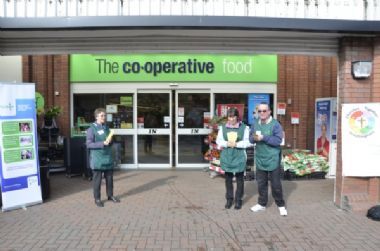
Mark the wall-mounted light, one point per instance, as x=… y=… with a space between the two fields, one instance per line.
x=361 y=69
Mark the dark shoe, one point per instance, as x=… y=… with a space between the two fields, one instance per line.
x=238 y=204
x=228 y=204
x=99 y=203
x=114 y=199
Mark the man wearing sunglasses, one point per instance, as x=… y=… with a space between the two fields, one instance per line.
x=267 y=133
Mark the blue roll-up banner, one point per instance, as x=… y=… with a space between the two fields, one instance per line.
x=254 y=99
x=19 y=168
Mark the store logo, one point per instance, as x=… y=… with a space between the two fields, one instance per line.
x=7 y=109
x=362 y=122
x=9 y=106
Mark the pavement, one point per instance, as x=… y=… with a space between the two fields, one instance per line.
x=184 y=210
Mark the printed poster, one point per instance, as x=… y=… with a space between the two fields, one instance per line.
x=322 y=127
x=223 y=108
x=295 y=118
x=126 y=101
x=254 y=99
x=281 y=108
x=360 y=139
x=19 y=169
x=206 y=119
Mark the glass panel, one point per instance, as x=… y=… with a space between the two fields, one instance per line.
x=152 y=108
x=191 y=148
x=193 y=106
x=237 y=98
x=122 y=117
x=85 y=105
x=123 y=149
x=153 y=149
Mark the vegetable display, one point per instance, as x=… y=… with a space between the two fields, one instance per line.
x=302 y=162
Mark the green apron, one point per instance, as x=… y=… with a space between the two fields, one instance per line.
x=101 y=159
x=233 y=160
x=267 y=157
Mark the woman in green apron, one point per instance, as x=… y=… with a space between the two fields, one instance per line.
x=101 y=159
x=233 y=138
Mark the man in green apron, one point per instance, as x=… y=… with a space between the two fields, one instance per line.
x=101 y=159
x=267 y=133
x=233 y=138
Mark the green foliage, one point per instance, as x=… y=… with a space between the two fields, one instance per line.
x=216 y=120
x=53 y=112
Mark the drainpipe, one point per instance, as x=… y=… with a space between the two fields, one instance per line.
x=365 y=2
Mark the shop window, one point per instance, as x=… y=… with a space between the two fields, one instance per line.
x=152 y=109
x=119 y=109
x=194 y=106
x=239 y=98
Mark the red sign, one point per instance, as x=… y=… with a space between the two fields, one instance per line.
x=281 y=108
x=223 y=108
x=295 y=117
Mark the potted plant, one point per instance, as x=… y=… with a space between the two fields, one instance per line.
x=50 y=115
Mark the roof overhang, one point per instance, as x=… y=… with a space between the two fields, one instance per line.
x=177 y=33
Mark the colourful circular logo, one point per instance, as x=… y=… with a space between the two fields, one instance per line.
x=361 y=123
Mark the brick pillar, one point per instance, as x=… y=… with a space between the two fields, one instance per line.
x=354 y=193
x=303 y=79
x=374 y=186
x=62 y=85
x=51 y=75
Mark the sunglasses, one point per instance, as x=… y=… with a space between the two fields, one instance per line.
x=262 y=111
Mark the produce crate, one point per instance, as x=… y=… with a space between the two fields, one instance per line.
x=289 y=175
x=318 y=175
x=301 y=164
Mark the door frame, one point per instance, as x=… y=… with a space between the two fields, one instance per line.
x=189 y=131
x=160 y=131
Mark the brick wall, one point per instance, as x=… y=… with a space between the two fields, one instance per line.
x=303 y=79
x=50 y=74
x=353 y=193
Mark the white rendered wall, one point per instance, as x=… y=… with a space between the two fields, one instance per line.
x=10 y=68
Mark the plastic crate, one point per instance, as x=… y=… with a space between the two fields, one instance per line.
x=318 y=175
x=288 y=175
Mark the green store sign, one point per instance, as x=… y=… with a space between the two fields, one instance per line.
x=173 y=67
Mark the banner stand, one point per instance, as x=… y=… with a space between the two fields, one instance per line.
x=19 y=167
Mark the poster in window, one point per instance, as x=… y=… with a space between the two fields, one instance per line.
x=111 y=108
x=223 y=108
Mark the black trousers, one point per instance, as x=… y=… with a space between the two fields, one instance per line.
x=97 y=182
x=239 y=186
x=262 y=178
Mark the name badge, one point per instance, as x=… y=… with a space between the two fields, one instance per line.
x=101 y=132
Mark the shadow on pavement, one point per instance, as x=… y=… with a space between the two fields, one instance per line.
x=250 y=191
x=148 y=186
x=61 y=186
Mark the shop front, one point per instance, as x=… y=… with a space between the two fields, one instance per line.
x=160 y=106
